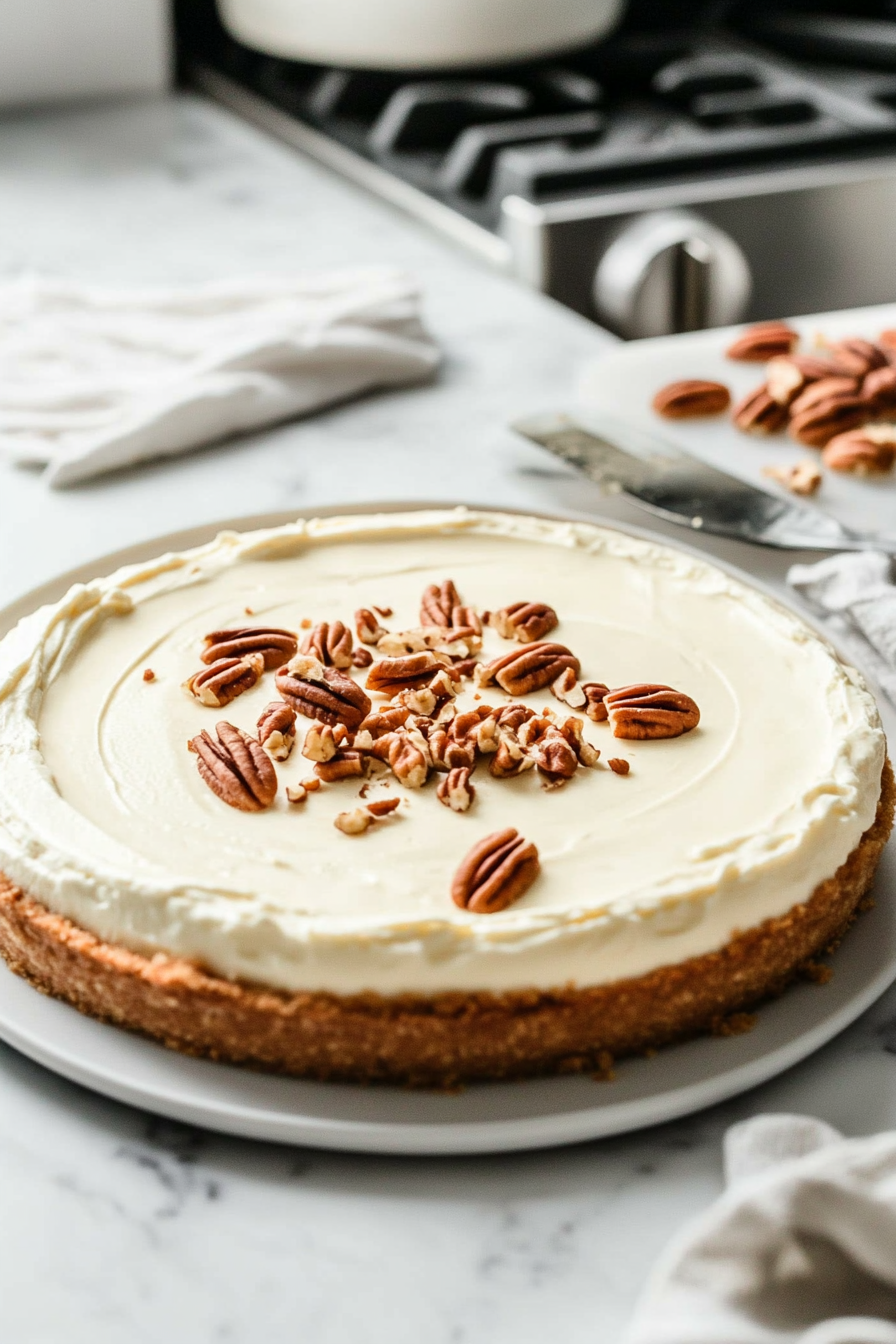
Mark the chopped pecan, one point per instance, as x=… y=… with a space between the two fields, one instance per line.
x=368 y=627
x=524 y=621
x=391 y=675
x=323 y=693
x=221 y=682
x=408 y=759
x=822 y=422
x=496 y=872
x=691 y=397
x=235 y=767
x=476 y=728
x=510 y=759
x=383 y=807
x=529 y=668
x=347 y=764
x=534 y=729
x=879 y=389
x=385 y=721
x=555 y=758
x=148 y=674
x=867 y=451
x=456 y=791
x=646 y=710
x=857 y=356
x=275 y=646
x=428 y=699
x=595 y=691
x=887 y=341
x=330 y=643
x=355 y=822
x=297 y=793
x=456 y=643
x=823 y=389
x=277 y=729
x=362 y=657
x=567 y=689
x=618 y=765
x=786 y=377
x=802 y=478
x=514 y=716
x=465 y=667
x=762 y=342
x=759 y=413
x=447 y=752
x=573 y=730
x=322 y=741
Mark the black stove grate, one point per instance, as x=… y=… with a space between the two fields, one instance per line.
x=641 y=108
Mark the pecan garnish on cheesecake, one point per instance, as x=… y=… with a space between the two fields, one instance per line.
x=276 y=646
x=225 y=679
x=648 y=710
x=330 y=642
x=496 y=872
x=235 y=767
x=524 y=621
x=390 y=675
x=277 y=729
x=456 y=791
x=322 y=693
x=763 y=341
x=691 y=397
x=528 y=669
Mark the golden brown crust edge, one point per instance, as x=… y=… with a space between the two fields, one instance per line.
x=443 y=1039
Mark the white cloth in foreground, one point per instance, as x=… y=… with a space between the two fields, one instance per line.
x=800 y=1249
x=855 y=597
x=93 y=379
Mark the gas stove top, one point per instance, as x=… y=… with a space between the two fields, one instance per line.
x=666 y=179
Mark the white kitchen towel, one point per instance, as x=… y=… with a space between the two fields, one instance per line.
x=800 y=1249
x=96 y=379
x=855 y=597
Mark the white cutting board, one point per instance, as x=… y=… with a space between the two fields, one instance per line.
x=624 y=381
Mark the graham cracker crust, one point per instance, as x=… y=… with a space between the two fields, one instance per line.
x=445 y=1039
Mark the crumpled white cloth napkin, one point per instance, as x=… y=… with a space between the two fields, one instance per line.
x=855 y=597
x=800 y=1249
x=94 y=379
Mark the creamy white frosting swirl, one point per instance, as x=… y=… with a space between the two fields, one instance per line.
x=103 y=816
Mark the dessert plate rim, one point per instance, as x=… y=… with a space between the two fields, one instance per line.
x=494 y=1117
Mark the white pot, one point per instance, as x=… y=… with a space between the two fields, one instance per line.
x=416 y=34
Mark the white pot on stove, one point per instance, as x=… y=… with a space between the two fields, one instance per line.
x=417 y=34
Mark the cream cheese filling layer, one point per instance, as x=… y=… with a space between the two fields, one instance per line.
x=104 y=818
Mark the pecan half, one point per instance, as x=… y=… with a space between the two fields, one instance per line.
x=691 y=397
x=368 y=627
x=821 y=423
x=822 y=389
x=222 y=681
x=858 y=356
x=330 y=643
x=524 y=621
x=864 y=452
x=879 y=389
x=595 y=692
x=786 y=377
x=275 y=646
x=456 y=791
x=391 y=675
x=277 y=729
x=496 y=872
x=235 y=767
x=530 y=668
x=763 y=341
x=646 y=710
x=803 y=478
x=759 y=413
x=441 y=605
x=323 y=693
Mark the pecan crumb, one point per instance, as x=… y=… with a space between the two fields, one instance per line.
x=249 y=611
x=305 y=624
x=383 y=806
x=618 y=765
x=148 y=674
x=385 y=612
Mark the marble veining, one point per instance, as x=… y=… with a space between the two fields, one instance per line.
x=119 y=1226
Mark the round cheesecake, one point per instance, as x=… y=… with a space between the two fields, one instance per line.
x=690 y=879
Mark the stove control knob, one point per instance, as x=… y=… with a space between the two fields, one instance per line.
x=670 y=271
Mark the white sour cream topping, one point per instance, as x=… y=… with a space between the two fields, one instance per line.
x=104 y=818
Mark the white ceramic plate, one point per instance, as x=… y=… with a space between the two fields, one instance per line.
x=485 y=1118
x=625 y=378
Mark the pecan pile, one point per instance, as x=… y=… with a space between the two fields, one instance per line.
x=417 y=731
x=840 y=399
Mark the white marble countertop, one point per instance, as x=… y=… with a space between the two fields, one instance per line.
x=121 y=1227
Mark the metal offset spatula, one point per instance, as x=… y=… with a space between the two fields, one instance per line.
x=671 y=483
